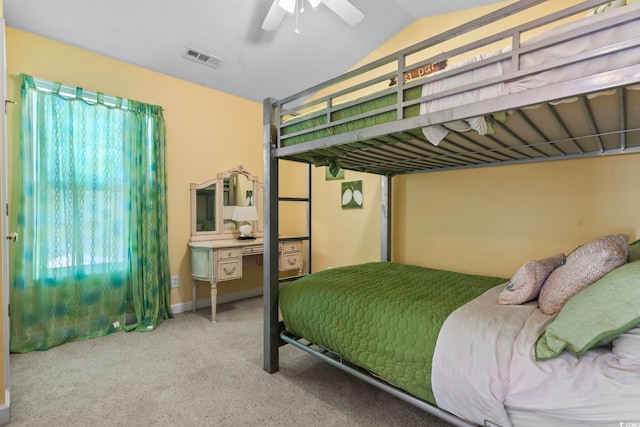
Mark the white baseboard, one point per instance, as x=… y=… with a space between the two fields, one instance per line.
x=222 y=299
x=5 y=414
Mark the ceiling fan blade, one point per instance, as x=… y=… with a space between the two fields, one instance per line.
x=274 y=17
x=345 y=10
x=288 y=5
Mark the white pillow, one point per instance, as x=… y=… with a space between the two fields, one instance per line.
x=626 y=347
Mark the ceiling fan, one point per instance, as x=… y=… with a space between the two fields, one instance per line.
x=343 y=8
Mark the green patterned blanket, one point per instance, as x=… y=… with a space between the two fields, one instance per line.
x=381 y=316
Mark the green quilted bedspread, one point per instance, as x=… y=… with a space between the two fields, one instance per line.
x=382 y=316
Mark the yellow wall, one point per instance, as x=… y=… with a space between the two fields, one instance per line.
x=491 y=220
x=344 y=236
x=207 y=131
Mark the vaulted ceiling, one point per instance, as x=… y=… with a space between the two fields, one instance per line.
x=256 y=64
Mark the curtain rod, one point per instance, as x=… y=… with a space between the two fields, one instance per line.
x=71 y=92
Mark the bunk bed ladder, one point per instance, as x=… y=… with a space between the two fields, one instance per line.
x=307 y=236
x=271 y=279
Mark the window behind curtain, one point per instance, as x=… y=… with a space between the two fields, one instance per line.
x=81 y=188
x=91 y=216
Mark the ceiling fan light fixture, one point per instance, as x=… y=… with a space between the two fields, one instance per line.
x=288 y=5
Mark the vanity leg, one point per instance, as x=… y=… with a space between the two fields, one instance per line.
x=193 y=295
x=214 y=300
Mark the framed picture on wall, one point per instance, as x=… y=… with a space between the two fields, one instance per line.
x=352 y=197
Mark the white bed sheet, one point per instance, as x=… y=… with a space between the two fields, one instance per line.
x=588 y=42
x=484 y=369
x=593 y=389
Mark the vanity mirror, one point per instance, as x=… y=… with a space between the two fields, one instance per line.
x=204 y=199
x=215 y=203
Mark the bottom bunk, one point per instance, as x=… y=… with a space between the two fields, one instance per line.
x=383 y=317
x=440 y=340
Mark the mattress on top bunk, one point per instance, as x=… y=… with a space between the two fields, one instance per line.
x=342 y=113
x=594 y=40
x=384 y=317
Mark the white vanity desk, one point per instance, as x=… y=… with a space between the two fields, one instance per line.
x=216 y=252
x=220 y=260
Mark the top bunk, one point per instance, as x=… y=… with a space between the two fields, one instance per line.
x=561 y=86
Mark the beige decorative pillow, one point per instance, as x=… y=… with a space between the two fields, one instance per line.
x=527 y=281
x=584 y=266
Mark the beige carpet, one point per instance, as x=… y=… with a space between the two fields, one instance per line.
x=189 y=372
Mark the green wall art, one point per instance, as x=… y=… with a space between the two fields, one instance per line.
x=352 y=195
x=329 y=176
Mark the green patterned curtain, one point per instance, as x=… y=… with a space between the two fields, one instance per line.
x=149 y=280
x=92 y=218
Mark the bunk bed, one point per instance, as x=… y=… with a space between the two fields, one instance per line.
x=549 y=89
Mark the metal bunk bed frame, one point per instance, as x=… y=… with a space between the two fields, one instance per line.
x=409 y=152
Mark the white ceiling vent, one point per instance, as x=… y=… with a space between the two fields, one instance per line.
x=203 y=58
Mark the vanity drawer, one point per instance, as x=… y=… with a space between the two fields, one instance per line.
x=229 y=270
x=290 y=261
x=229 y=253
x=291 y=247
x=251 y=250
